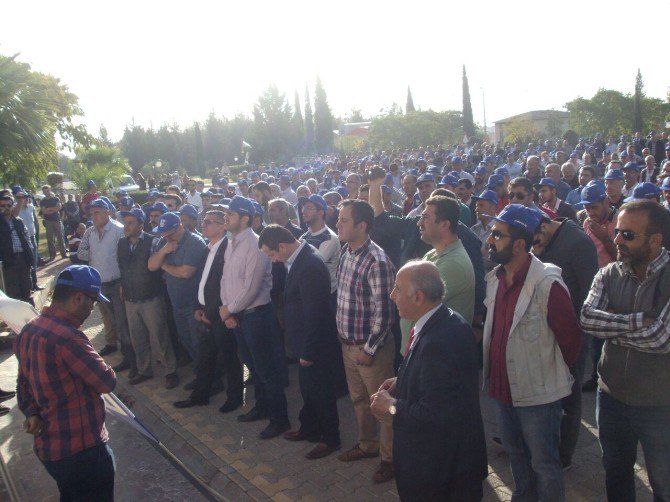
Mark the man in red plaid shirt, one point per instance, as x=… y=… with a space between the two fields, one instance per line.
x=61 y=379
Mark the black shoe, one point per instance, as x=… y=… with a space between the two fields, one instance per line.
x=122 y=366
x=190 y=403
x=590 y=386
x=253 y=415
x=229 y=406
x=3 y=410
x=133 y=374
x=6 y=394
x=171 y=381
x=217 y=387
x=190 y=385
x=139 y=379
x=273 y=430
x=107 y=349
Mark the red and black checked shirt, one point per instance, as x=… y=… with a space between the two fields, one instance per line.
x=61 y=379
x=365 y=279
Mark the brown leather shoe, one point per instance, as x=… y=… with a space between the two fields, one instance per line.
x=355 y=454
x=300 y=436
x=384 y=473
x=321 y=450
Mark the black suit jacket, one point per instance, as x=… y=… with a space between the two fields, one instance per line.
x=438 y=430
x=309 y=316
x=213 y=284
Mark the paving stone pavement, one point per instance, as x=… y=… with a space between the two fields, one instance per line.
x=229 y=458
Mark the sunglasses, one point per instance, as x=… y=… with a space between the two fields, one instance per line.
x=498 y=235
x=628 y=235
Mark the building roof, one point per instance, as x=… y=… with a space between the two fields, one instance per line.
x=534 y=115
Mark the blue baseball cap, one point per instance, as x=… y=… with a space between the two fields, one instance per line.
x=16 y=189
x=644 y=190
x=433 y=169
x=502 y=171
x=519 y=216
x=153 y=193
x=241 y=206
x=84 y=278
x=389 y=177
x=188 y=210
x=318 y=201
x=614 y=175
x=90 y=183
x=127 y=201
x=159 y=206
x=425 y=177
x=495 y=180
x=169 y=221
x=623 y=154
x=110 y=205
x=593 y=193
x=342 y=191
x=666 y=183
x=135 y=212
x=632 y=165
x=99 y=203
x=449 y=180
x=258 y=209
x=488 y=195
x=456 y=160
x=546 y=182
x=481 y=169
x=225 y=201
x=667 y=147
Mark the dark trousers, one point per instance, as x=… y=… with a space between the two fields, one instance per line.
x=319 y=410
x=262 y=352
x=337 y=376
x=17 y=279
x=572 y=409
x=596 y=351
x=85 y=477
x=217 y=346
x=460 y=489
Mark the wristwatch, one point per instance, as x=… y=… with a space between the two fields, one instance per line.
x=392 y=409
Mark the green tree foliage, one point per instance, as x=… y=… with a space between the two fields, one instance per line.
x=637 y=102
x=34 y=109
x=199 y=154
x=272 y=127
x=611 y=112
x=323 y=120
x=103 y=164
x=468 y=122
x=394 y=129
x=297 y=125
x=520 y=131
x=309 y=123
x=554 y=125
x=409 y=107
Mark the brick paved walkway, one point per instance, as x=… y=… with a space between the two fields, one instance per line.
x=227 y=456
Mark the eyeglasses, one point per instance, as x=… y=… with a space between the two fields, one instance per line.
x=498 y=235
x=628 y=235
x=518 y=195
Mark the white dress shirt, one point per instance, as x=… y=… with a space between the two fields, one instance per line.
x=213 y=248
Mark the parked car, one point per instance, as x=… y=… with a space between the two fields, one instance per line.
x=128 y=184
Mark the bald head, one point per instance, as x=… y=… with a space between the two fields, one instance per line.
x=423 y=276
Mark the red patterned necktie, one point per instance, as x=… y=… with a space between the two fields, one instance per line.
x=409 y=343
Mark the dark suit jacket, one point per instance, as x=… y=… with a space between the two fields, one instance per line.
x=309 y=317
x=213 y=284
x=438 y=431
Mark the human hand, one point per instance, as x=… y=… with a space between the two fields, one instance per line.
x=599 y=232
x=170 y=247
x=33 y=425
x=304 y=362
x=389 y=385
x=364 y=359
x=199 y=315
x=380 y=403
x=231 y=322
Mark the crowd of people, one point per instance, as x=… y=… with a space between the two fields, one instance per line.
x=396 y=277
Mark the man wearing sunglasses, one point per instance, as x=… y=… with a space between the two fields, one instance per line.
x=60 y=385
x=629 y=307
x=531 y=338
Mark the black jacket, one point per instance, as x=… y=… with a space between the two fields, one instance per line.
x=7 y=255
x=213 y=283
x=438 y=430
x=309 y=318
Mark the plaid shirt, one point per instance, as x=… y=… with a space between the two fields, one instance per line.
x=61 y=379
x=365 y=279
x=627 y=330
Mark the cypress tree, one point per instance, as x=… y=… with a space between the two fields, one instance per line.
x=309 y=123
x=323 y=120
x=468 y=123
x=637 y=108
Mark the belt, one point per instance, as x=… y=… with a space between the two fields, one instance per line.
x=345 y=341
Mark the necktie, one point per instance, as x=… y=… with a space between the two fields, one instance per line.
x=409 y=343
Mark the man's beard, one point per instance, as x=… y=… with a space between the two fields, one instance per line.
x=634 y=258
x=503 y=256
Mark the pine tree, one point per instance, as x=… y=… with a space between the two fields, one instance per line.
x=309 y=123
x=468 y=123
x=637 y=108
x=199 y=152
x=409 y=107
x=298 y=125
x=323 y=120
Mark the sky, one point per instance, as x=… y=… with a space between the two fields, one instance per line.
x=151 y=63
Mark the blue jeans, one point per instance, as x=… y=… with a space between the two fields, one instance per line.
x=620 y=428
x=260 y=346
x=88 y=475
x=530 y=435
x=187 y=330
